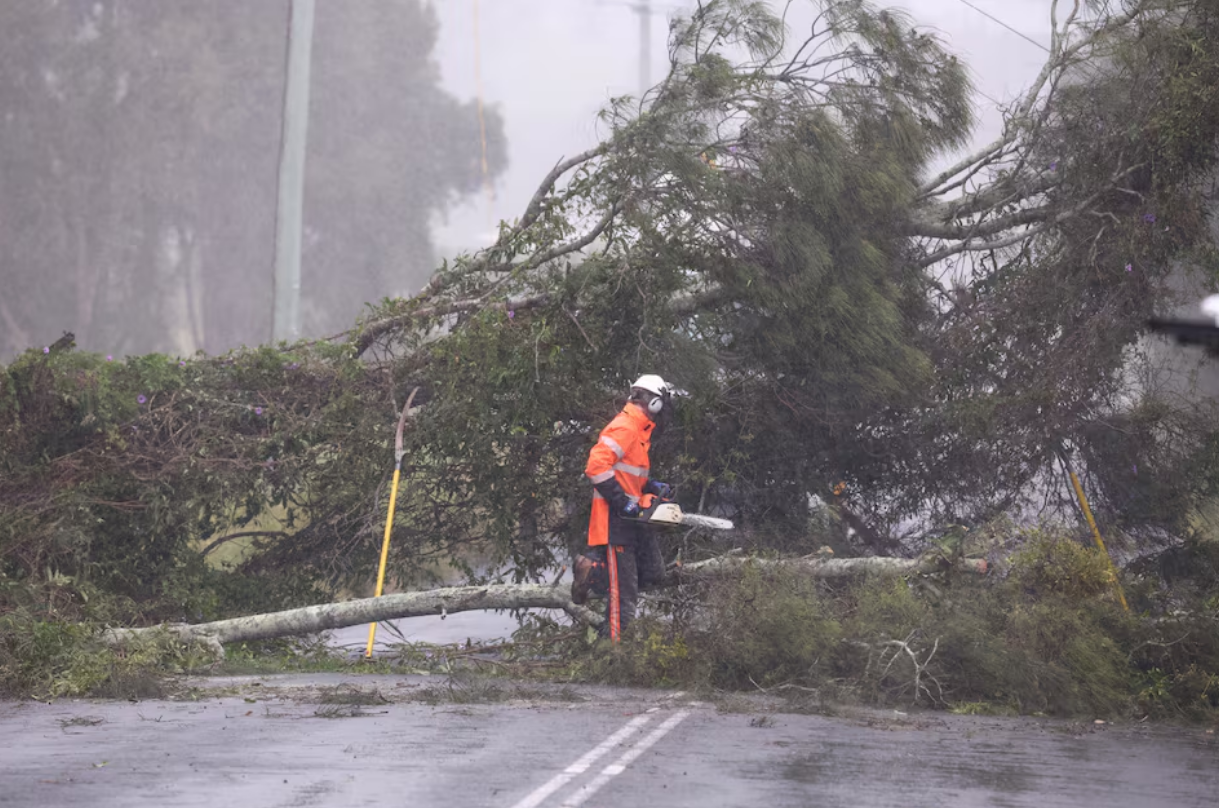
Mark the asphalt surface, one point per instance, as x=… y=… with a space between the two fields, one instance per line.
x=475 y=626
x=301 y=741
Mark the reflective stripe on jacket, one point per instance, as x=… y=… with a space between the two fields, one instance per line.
x=621 y=453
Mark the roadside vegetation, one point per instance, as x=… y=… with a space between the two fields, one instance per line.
x=1045 y=634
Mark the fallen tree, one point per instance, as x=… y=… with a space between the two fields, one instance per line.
x=759 y=235
x=326 y=616
x=1047 y=636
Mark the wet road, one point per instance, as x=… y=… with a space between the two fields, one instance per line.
x=275 y=745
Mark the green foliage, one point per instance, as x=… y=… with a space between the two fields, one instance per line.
x=768 y=629
x=117 y=474
x=1050 y=564
x=651 y=654
x=1040 y=351
x=291 y=654
x=891 y=603
x=1177 y=662
x=1063 y=661
x=1047 y=638
x=44 y=660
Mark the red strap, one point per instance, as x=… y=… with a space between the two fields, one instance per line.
x=614 y=613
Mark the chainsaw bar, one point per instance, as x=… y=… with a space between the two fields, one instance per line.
x=712 y=522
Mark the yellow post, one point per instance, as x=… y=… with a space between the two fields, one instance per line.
x=389 y=523
x=389 y=519
x=1083 y=503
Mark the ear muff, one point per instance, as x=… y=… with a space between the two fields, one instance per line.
x=658 y=403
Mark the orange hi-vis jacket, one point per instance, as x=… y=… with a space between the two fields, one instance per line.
x=621 y=453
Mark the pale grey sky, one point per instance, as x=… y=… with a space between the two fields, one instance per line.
x=550 y=65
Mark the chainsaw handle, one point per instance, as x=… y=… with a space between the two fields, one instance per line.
x=648 y=503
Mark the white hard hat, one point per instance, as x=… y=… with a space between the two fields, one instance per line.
x=653 y=384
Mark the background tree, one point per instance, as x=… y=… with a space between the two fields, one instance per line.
x=139 y=168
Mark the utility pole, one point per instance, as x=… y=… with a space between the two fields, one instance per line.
x=286 y=286
x=644 y=9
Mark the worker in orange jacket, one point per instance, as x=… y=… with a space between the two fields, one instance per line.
x=618 y=469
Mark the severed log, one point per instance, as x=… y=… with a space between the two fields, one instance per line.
x=819 y=567
x=322 y=617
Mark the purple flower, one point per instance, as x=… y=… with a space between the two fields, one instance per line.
x=109 y=358
x=1135 y=468
x=732 y=149
x=258 y=410
x=46 y=349
x=1054 y=166
x=1150 y=218
x=181 y=363
x=1129 y=268
x=511 y=314
x=141 y=398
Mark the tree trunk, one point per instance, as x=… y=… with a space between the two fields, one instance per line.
x=834 y=567
x=314 y=619
x=325 y=616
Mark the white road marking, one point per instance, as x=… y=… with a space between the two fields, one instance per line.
x=619 y=766
x=580 y=766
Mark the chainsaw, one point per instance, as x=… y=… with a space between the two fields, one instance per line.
x=656 y=511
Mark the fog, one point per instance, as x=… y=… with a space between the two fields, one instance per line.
x=140 y=146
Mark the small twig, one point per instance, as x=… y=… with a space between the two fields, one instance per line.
x=783 y=686
x=582 y=331
x=1146 y=643
x=537 y=370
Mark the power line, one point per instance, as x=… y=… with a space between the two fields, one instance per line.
x=993 y=18
x=635 y=4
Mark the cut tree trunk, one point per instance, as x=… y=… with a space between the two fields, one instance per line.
x=835 y=567
x=326 y=616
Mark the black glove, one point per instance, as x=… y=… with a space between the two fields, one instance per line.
x=613 y=493
x=631 y=510
x=662 y=490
